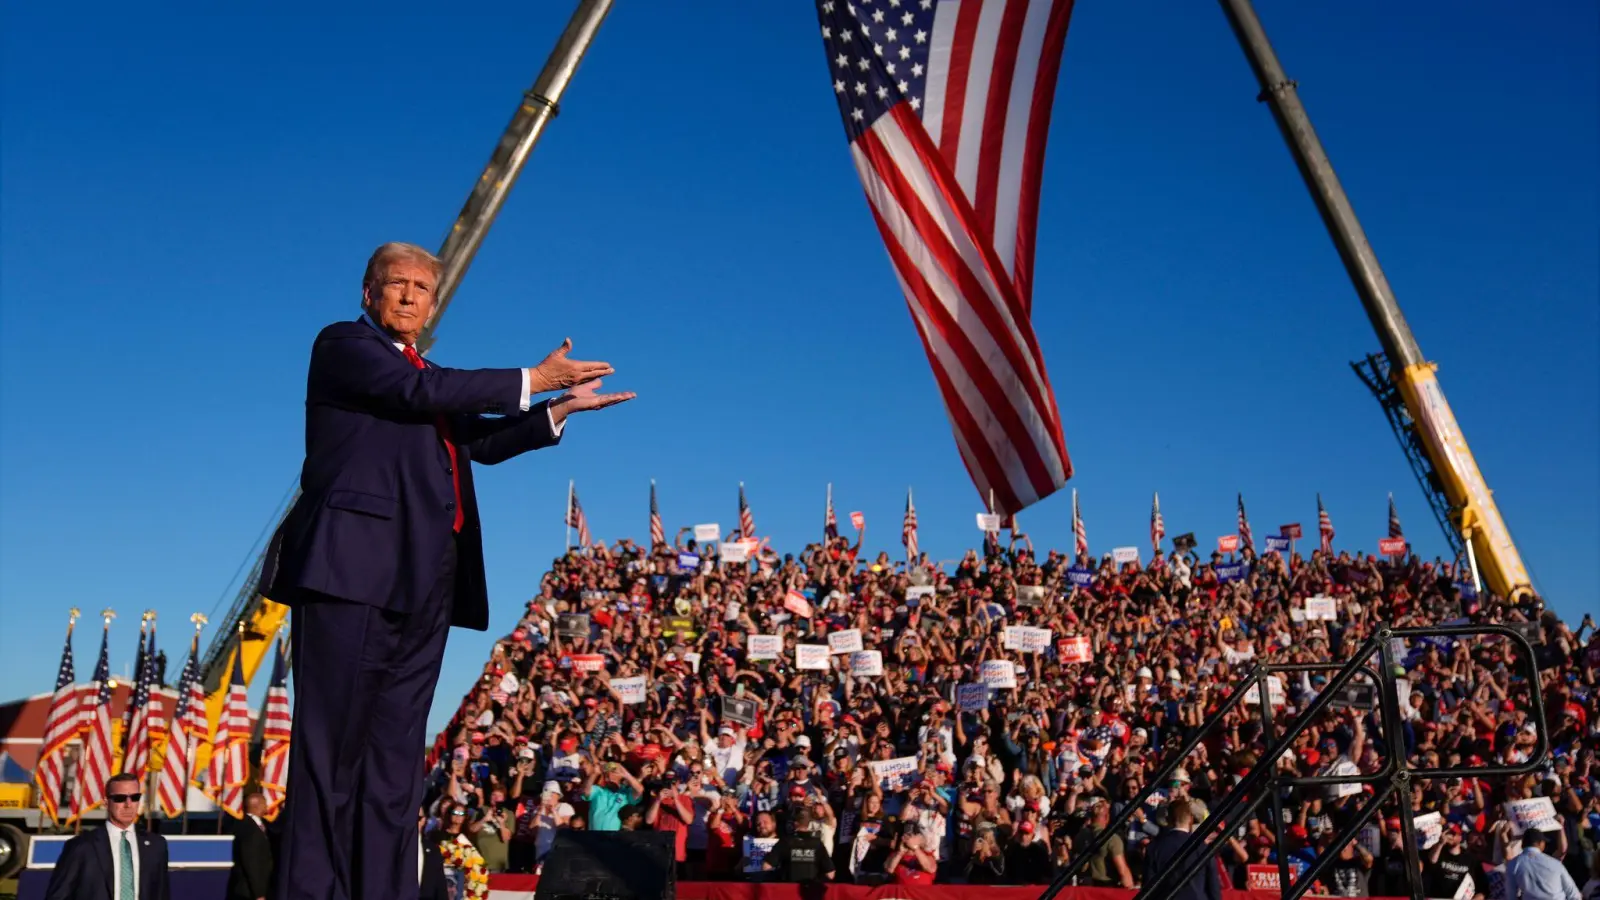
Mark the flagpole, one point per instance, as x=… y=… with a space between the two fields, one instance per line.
x=829 y=510
x=910 y=560
x=182 y=707
x=145 y=778
x=567 y=518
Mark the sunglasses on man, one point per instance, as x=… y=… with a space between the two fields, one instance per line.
x=124 y=798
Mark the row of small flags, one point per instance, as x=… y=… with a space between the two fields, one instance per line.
x=908 y=530
x=747 y=522
x=81 y=713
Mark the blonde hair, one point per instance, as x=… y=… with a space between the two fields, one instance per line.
x=388 y=253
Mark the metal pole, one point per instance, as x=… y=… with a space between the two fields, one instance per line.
x=1359 y=259
x=540 y=104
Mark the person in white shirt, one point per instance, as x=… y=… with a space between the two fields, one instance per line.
x=132 y=864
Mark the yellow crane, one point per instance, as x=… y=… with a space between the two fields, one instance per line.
x=1405 y=382
x=253 y=621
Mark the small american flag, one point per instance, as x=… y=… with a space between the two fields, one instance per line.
x=658 y=534
x=1324 y=526
x=1158 y=528
x=136 y=750
x=830 y=523
x=60 y=728
x=1245 y=537
x=946 y=105
x=95 y=765
x=1080 y=534
x=187 y=726
x=908 y=529
x=1394 y=520
x=230 y=763
x=747 y=522
x=576 y=518
x=275 y=729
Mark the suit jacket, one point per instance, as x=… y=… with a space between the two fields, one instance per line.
x=433 y=885
x=1158 y=856
x=84 y=871
x=377 y=501
x=252 y=862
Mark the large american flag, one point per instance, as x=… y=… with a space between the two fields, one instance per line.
x=136 y=747
x=275 y=728
x=1245 y=537
x=1158 y=527
x=60 y=729
x=187 y=728
x=946 y=104
x=1324 y=526
x=230 y=747
x=830 y=523
x=658 y=534
x=747 y=522
x=1080 y=534
x=576 y=518
x=94 y=766
x=1394 y=520
x=908 y=529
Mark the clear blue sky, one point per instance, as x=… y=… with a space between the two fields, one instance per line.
x=189 y=195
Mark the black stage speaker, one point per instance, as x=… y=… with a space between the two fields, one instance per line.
x=609 y=865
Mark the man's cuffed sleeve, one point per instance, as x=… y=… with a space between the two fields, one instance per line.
x=527 y=401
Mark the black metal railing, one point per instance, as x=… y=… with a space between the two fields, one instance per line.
x=1263 y=783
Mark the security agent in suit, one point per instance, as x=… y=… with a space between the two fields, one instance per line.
x=114 y=861
x=1164 y=848
x=252 y=853
x=380 y=555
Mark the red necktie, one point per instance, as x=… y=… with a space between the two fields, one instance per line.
x=443 y=427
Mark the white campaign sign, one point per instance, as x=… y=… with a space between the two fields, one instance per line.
x=1275 y=693
x=1538 y=814
x=755 y=850
x=1122 y=555
x=631 y=689
x=1430 y=829
x=998 y=673
x=894 y=774
x=846 y=641
x=866 y=664
x=811 y=656
x=765 y=646
x=989 y=523
x=736 y=552
x=711 y=532
x=1025 y=638
x=1321 y=608
x=972 y=697
x=919 y=592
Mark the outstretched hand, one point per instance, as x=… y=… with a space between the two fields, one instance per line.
x=584 y=397
x=558 y=372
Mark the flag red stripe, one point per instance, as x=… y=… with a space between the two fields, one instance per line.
x=978 y=371
x=954 y=266
x=942 y=177
x=918 y=293
x=994 y=118
x=955 y=95
x=1044 y=89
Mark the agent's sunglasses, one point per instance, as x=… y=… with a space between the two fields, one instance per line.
x=124 y=798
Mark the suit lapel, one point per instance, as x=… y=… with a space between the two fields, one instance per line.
x=147 y=867
x=101 y=860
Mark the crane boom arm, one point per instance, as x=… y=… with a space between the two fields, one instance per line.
x=262 y=617
x=1473 y=512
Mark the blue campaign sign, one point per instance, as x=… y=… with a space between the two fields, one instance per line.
x=1277 y=542
x=1230 y=572
x=1079 y=576
x=688 y=562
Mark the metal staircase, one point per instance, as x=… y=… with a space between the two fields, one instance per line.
x=1263 y=784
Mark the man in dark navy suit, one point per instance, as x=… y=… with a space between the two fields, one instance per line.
x=115 y=861
x=380 y=555
x=1163 y=849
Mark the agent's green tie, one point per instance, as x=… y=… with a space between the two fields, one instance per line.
x=127 y=891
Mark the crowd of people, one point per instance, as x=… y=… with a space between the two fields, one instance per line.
x=982 y=722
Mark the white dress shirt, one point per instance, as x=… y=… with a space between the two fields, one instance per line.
x=523 y=405
x=115 y=834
